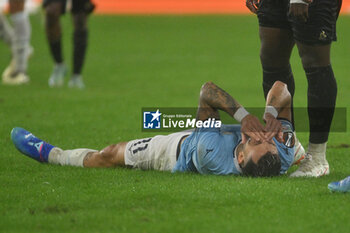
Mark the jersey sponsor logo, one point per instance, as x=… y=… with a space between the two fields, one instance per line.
x=323 y=36
x=288 y=139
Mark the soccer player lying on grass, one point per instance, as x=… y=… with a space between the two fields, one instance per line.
x=250 y=149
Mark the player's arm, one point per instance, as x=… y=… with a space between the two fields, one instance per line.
x=299 y=9
x=213 y=98
x=252 y=5
x=278 y=104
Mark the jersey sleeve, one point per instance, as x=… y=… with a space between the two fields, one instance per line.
x=286 y=148
x=211 y=157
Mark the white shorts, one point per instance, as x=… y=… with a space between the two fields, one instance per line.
x=157 y=153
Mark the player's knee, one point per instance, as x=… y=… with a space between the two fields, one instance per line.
x=314 y=56
x=273 y=59
x=80 y=21
x=80 y=35
x=274 y=53
x=307 y=59
x=107 y=158
x=110 y=149
x=16 y=6
x=312 y=61
x=111 y=154
x=53 y=12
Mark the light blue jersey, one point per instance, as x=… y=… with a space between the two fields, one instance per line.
x=212 y=151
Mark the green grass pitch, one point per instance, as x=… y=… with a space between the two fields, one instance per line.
x=142 y=61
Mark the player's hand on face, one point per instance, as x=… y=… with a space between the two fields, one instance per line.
x=300 y=11
x=252 y=5
x=273 y=127
x=251 y=127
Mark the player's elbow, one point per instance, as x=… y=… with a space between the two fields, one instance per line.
x=206 y=87
x=279 y=85
x=282 y=89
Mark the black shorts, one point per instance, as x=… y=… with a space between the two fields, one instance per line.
x=78 y=6
x=320 y=28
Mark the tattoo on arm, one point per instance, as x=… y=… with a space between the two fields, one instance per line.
x=212 y=99
x=272 y=101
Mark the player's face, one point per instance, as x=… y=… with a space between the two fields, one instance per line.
x=255 y=150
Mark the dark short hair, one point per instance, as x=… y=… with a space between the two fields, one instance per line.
x=268 y=165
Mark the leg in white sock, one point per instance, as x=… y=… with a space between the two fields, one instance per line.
x=68 y=157
x=111 y=156
x=315 y=163
x=318 y=150
x=21 y=41
x=6 y=31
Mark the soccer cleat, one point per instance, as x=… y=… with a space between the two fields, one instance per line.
x=312 y=166
x=340 y=186
x=76 y=81
x=57 y=76
x=11 y=69
x=299 y=152
x=30 y=145
x=17 y=79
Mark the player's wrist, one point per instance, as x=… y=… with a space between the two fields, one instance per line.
x=270 y=110
x=240 y=114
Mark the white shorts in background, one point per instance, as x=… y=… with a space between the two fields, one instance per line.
x=157 y=153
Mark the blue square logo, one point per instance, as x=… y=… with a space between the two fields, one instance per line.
x=151 y=120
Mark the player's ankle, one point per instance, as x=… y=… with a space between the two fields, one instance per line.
x=318 y=151
x=76 y=76
x=317 y=148
x=68 y=157
x=59 y=64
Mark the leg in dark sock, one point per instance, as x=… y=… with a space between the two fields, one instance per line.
x=53 y=30
x=322 y=90
x=276 y=48
x=54 y=35
x=80 y=44
x=56 y=51
x=321 y=96
x=273 y=74
x=79 y=41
